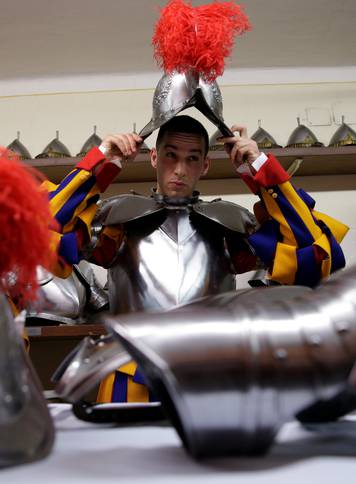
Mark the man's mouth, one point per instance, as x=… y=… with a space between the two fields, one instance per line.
x=177 y=183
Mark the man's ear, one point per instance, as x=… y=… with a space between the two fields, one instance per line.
x=153 y=156
x=206 y=166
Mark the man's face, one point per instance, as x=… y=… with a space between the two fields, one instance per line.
x=180 y=161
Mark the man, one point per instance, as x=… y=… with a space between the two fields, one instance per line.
x=171 y=248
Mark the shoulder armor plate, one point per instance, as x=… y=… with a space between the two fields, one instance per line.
x=126 y=208
x=228 y=214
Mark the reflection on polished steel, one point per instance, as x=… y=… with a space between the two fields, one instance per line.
x=302 y=137
x=231 y=369
x=178 y=91
x=189 y=266
x=26 y=429
x=91 y=361
x=66 y=300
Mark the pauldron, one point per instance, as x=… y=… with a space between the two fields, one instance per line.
x=127 y=208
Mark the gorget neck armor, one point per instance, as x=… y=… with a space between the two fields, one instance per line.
x=170 y=202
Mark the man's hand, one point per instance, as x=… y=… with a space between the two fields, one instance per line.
x=122 y=147
x=240 y=148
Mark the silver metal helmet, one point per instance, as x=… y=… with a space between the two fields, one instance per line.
x=178 y=91
x=17 y=147
x=263 y=139
x=93 y=140
x=343 y=136
x=302 y=137
x=55 y=149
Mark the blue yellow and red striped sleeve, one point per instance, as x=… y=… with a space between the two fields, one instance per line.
x=298 y=244
x=73 y=205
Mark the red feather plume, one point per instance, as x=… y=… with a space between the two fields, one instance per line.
x=25 y=238
x=197 y=38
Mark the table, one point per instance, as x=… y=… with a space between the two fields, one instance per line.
x=89 y=453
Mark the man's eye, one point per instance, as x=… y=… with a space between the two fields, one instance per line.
x=193 y=158
x=170 y=154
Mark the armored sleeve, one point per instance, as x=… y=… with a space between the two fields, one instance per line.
x=298 y=244
x=73 y=205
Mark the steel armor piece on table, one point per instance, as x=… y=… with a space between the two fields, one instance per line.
x=230 y=369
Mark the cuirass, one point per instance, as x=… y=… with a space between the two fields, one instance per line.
x=173 y=262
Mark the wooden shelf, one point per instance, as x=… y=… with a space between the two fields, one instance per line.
x=316 y=161
x=65 y=331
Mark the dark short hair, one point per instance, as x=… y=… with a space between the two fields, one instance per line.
x=184 y=124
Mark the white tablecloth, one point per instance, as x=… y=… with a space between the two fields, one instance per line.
x=93 y=453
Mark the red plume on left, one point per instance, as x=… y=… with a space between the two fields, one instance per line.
x=25 y=221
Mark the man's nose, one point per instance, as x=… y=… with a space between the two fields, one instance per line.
x=180 y=168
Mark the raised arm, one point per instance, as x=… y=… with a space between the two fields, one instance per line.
x=296 y=243
x=73 y=202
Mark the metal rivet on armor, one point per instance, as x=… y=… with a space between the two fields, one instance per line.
x=270 y=190
x=86 y=360
x=281 y=354
x=274 y=195
x=101 y=343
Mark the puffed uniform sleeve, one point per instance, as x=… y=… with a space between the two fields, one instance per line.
x=73 y=205
x=298 y=244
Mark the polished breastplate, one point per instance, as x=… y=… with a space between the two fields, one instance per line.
x=166 y=263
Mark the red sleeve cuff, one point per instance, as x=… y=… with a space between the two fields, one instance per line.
x=271 y=173
x=92 y=159
x=106 y=174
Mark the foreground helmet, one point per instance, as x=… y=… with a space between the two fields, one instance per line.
x=178 y=91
